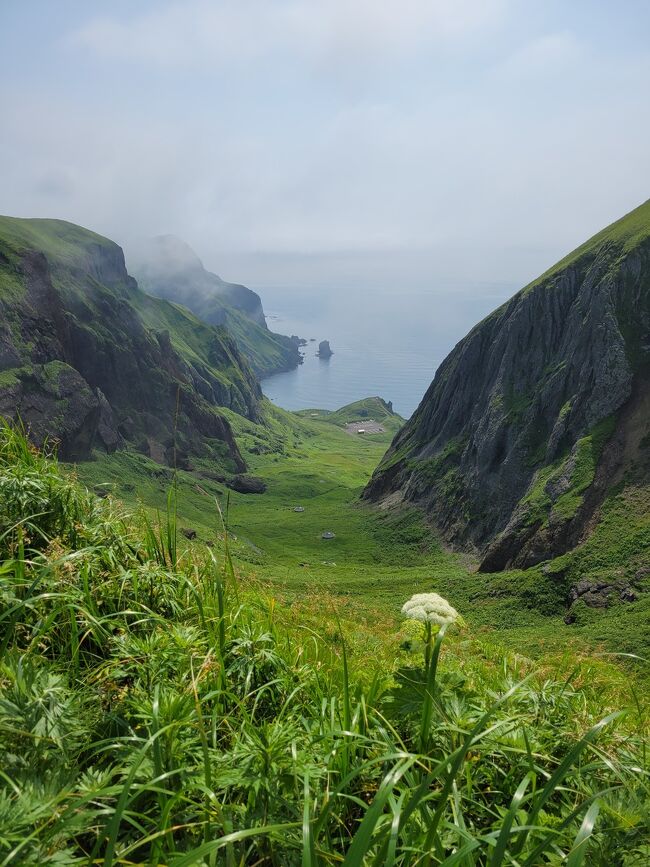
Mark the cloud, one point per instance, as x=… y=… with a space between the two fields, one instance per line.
x=545 y=56
x=216 y=34
x=457 y=147
x=54 y=184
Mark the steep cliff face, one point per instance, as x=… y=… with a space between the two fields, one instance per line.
x=168 y=268
x=90 y=360
x=538 y=411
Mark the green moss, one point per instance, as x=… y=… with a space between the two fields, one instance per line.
x=584 y=456
x=516 y=405
x=566 y=506
x=537 y=501
x=51 y=372
x=496 y=401
x=601 y=433
x=10 y=377
x=434 y=469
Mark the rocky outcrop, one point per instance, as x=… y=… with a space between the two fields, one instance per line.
x=247 y=484
x=324 y=349
x=85 y=362
x=56 y=405
x=533 y=415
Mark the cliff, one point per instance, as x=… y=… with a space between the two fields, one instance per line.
x=539 y=412
x=168 y=268
x=89 y=360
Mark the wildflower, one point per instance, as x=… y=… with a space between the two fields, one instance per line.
x=429 y=608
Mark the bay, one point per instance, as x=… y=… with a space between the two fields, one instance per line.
x=385 y=342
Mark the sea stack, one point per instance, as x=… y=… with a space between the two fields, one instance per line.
x=324 y=349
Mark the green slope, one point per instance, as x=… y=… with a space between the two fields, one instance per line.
x=168 y=268
x=626 y=234
x=89 y=359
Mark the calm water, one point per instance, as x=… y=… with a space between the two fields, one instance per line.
x=385 y=343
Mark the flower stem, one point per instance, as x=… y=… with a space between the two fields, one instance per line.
x=431 y=654
x=427 y=647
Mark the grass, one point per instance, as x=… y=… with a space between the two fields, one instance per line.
x=65 y=245
x=617 y=239
x=374 y=408
x=161 y=707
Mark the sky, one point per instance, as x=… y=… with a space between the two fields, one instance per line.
x=310 y=142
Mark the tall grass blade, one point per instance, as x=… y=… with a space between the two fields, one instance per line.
x=578 y=851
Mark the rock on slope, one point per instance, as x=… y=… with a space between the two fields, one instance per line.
x=539 y=411
x=167 y=267
x=89 y=359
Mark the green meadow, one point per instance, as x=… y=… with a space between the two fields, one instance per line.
x=377 y=558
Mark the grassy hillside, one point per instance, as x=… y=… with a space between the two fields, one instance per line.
x=159 y=707
x=266 y=351
x=168 y=268
x=90 y=360
x=626 y=234
x=65 y=243
x=360 y=411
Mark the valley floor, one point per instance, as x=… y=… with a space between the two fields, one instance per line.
x=376 y=559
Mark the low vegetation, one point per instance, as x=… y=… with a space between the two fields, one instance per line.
x=158 y=707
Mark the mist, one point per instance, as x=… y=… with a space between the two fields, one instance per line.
x=322 y=144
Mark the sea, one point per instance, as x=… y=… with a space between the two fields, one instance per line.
x=385 y=342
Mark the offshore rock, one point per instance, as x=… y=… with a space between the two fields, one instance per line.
x=324 y=350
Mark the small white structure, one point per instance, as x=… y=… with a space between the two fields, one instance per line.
x=328 y=535
x=299 y=509
x=361 y=430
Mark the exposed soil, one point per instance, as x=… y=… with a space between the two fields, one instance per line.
x=367 y=426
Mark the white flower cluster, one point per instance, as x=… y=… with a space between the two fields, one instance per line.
x=429 y=608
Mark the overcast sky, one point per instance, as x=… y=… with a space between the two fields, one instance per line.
x=318 y=140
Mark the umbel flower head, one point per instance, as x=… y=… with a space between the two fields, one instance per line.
x=429 y=608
